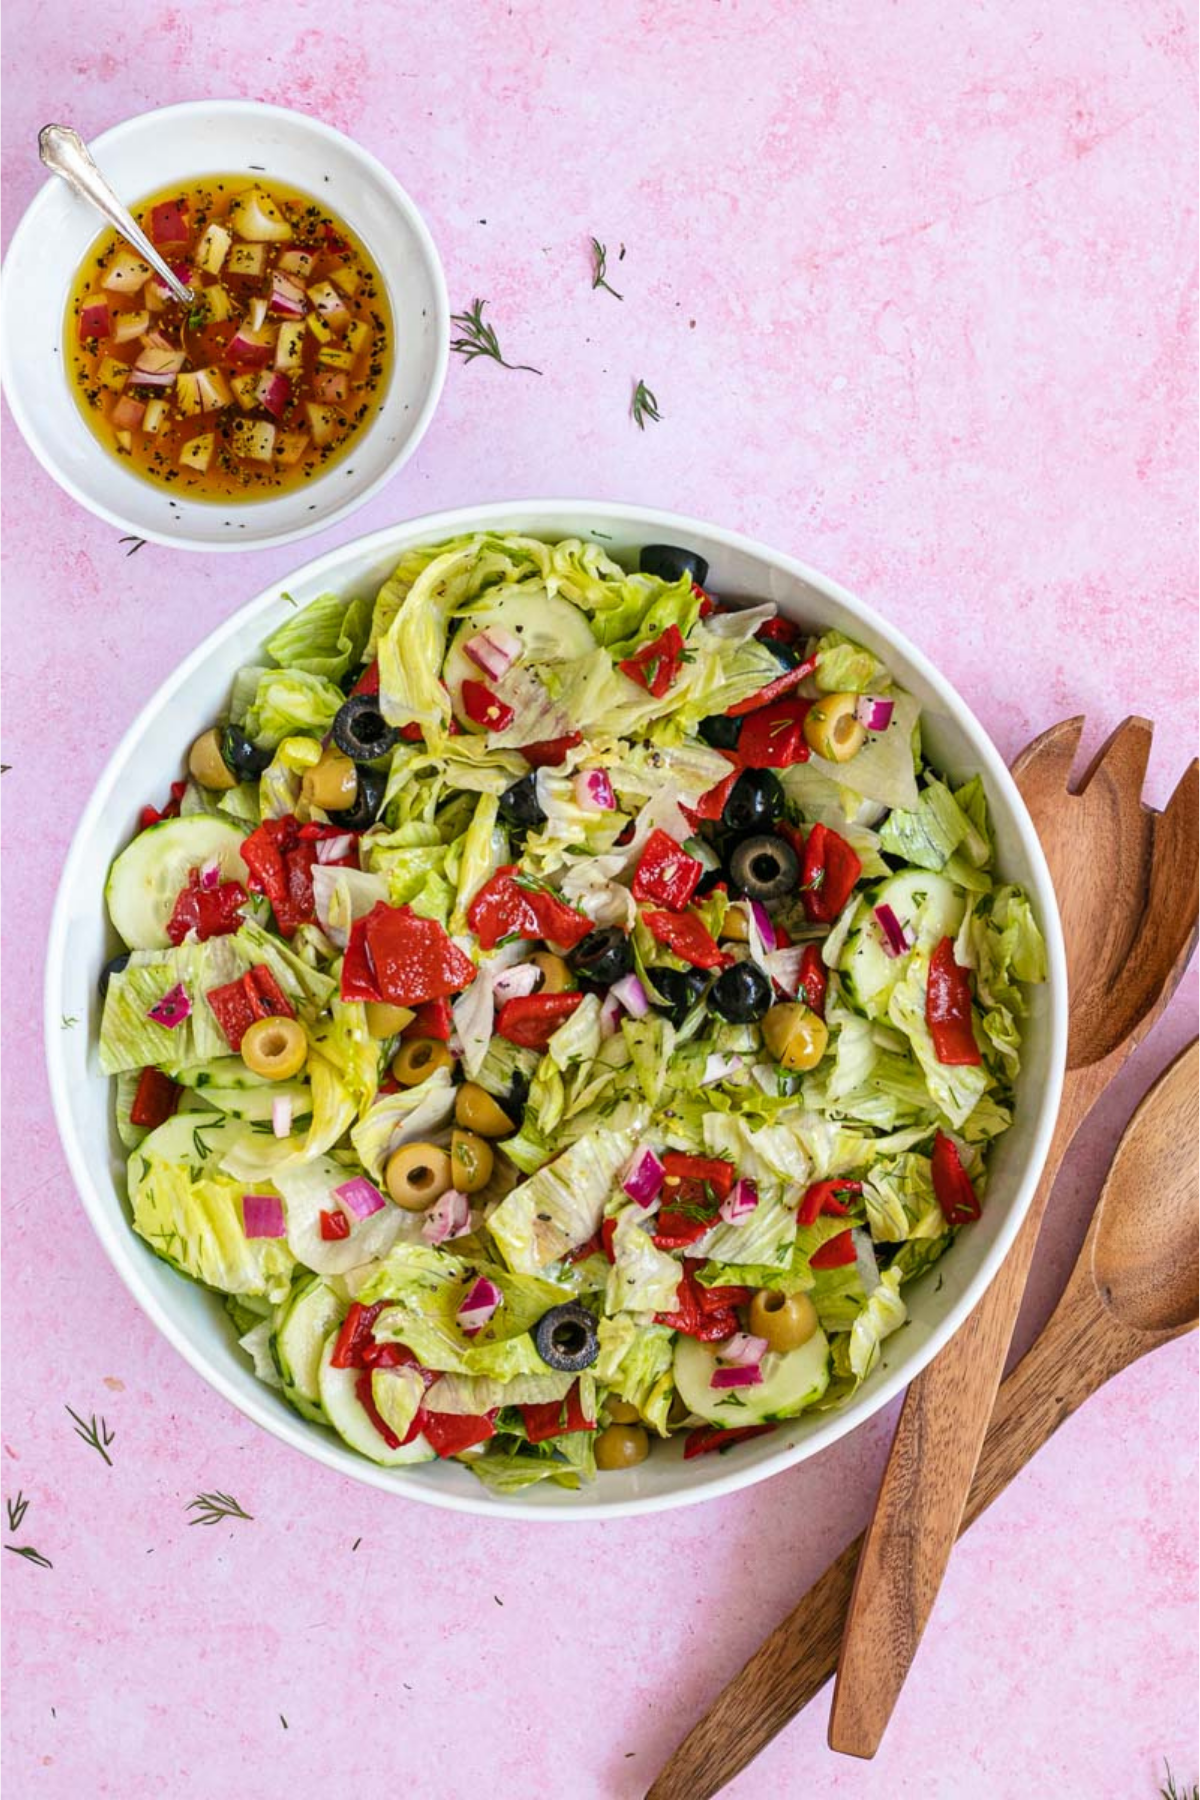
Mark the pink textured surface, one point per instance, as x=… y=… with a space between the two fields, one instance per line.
x=914 y=286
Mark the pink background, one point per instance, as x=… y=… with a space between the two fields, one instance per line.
x=914 y=286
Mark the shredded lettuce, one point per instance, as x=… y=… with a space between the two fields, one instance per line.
x=326 y=638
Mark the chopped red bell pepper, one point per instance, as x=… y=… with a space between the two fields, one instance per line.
x=814 y=980
x=154 y=1100
x=366 y=1399
x=396 y=956
x=835 y=1254
x=826 y=1197
x=510 y=905
x=774 y=690
x=654 y=666
x=451 y=1433
x=773 y=737
x=483 y=707
x=532 y=1019
x=948 y=1009
x=334 y=1225
x=714 y=1437
x=209 y=912
x=368 y=681
x=702 y=1312
x=355 y=1335
x=150 y=815
x=554 y=1418
x=434 y=1019
x=666 y=873
x=255 y=995
x=952 y=1185
x=828 y=873
x=689 y=937
x=551 y=751
x=712 y=804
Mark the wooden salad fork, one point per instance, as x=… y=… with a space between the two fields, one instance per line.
x=1133 y=1288
x=1125 y=877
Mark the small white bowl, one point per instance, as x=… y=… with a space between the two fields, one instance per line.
x=180 y=144
x=81 y=940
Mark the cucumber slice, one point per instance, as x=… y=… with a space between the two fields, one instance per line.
x=551 y=630
x=145 y=880
x=792 y=1380
x=256 y=1103
x=307 y=1317
x=350 y=1420
x=869 y=971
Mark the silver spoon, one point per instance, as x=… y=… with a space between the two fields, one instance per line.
x=64 y=153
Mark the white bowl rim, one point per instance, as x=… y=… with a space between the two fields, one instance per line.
x=118 y=1239
x=26 y=421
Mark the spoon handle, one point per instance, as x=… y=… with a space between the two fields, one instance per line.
x=64 y=153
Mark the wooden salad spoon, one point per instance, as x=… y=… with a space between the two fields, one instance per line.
x=1125 y=878
x=1133 y=1287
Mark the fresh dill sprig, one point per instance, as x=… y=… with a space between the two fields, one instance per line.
x=135 y=544
x=600 y=267
x=479 y=338
x=210 y=1509
x=30 y=1555
x=645 y=406
x=99 y=1436
x=1171 y=1792
x=16 y=1510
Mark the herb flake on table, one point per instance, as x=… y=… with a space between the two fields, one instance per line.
x=210 y=1509
x=599 y=269
x=645 y=406
x=478 y=338
x=135 y=544
x=16 y=1510
x=30 y=1555
x=99 y=1436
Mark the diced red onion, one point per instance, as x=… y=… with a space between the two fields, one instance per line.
x=281 y=1115
x=766 y=929
x=360 y=1197
x=477 y=1306
x=611 y=1011
x=94 y=317
x=742 y=1351
x=874 y=713
x=331 y=850
x=262 y=1216
x=210 y=874
x=172 y=1009
x=719 y=1067
x=594 y=791
x=287 y=297
x=449 y=1217
x=494 y=651
x=740 y=1203
x=516 y=982
x=273 y=393
x=181 y=271
x=156 y=367
x=632 y=995
x=783 y=966
x=895 y=941
x=256 y=312
x=251 y=349
x=737 y=1377
x=644 y=1177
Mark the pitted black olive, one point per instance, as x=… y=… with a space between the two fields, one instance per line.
x=785 y=654
x=566 y=1337
x=720 y=732
x=112 y=967
x=242 y=757
x=520 y=805
x=741 y=995
x=765 y=867
x=372 y=785
x=360 y=730
x=680 y=989
x=603 y=956
x=755 y=801
x=669 y=562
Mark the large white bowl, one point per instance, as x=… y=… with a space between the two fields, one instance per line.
x=81 y=940
x=180 y=144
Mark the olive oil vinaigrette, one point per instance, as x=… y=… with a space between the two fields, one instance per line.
x=269 y=376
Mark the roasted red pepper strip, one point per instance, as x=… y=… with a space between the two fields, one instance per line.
x=551 y=751
x=835 y=1254
x=368 y=681
x=693 y=1190
x=434 y=1019
x=779 y=628
x=656 y=665
x=280 y=860
x=150 y=815
x=828 y=874
x=209 y=912
x=814 y=981
x=397 y=956
x=355 y=1335
x=334 y=1225
x=719 y=1174
x=666 y=873
x=450 y=1433
x=948 y=1009
x=712 y=804
x=774 y=690
x=392 y=1356
x=826 y=1197
x=483 y=707
x=704 y=1313
x=712 y=1437
x=256 y=995
x=688 y=937
x=366 y=1399
x=952 y=1185
x=533 y=1019
x=154 y=1100
x=773 y=737
x=507 y=906
x=554 y=1418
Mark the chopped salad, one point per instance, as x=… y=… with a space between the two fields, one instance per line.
x=561 y=1010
